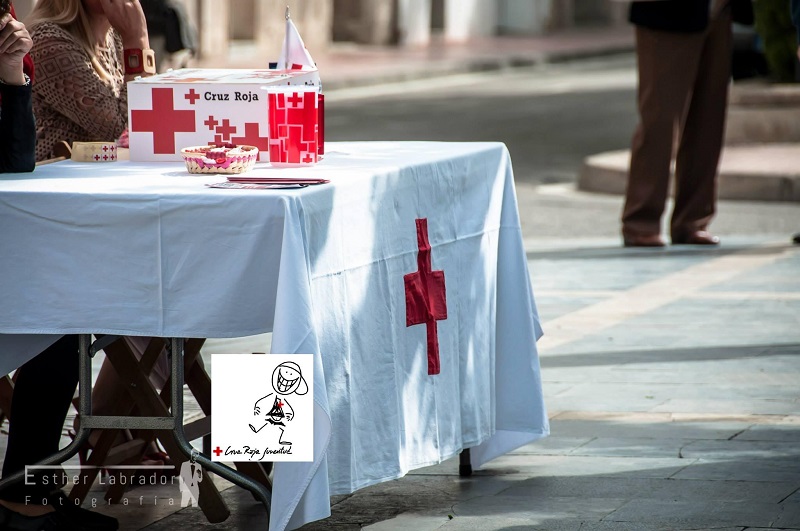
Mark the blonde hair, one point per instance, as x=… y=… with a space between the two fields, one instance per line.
x=71 y=15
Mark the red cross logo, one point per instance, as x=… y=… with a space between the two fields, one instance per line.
x=97 y=157
x=217 y=451
x=426 y=300
x=192 y=96
x=226 y=129
x=295 y=100
x=105 y=157
x=252 y=137
x=280 y=404
x=308 y=159
x=163 y=121
x=211 y=123
x=113 y=148
x=105 y=148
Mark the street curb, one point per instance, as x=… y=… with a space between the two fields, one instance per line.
x=608 y=173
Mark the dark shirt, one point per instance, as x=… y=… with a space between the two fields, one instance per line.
x=683 y=16
x=17 y=129
x=796 y=17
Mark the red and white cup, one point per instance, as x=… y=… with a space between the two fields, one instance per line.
x=293 y=125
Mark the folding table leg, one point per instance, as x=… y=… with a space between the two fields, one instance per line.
x=464 y=463
x=104 y=450
x=149 y=403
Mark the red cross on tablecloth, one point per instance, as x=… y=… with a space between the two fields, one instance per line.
x=426 y=300
x=163 y=121
x=252 y=137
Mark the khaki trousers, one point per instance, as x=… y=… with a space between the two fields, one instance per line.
x=683 y=89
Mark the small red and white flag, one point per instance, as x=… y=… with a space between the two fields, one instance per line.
x=294 y=55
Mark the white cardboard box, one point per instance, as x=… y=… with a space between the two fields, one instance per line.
x=195 y=107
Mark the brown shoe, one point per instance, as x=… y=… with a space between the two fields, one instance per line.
x=643 y=240
x=698 y=237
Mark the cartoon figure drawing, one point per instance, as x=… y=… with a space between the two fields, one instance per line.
x=190 y=478
x=286 y=379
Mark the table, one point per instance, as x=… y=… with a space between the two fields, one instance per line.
x=146 y=249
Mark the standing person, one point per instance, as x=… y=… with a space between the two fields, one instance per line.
x=86 y=51
x=683 y=50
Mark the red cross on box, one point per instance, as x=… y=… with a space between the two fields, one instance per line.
x=252 y=137
x=294 y=100
x=163 y=121
x=192 y=96
x=426 y=300
x=211 y=123
x=226 y=129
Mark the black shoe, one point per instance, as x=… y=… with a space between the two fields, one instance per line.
x=796 y=238
x=79 y=517
x=14 y=521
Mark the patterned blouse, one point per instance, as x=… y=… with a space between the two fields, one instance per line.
x=70 y=101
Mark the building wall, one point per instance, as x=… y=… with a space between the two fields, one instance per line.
x=380 y=22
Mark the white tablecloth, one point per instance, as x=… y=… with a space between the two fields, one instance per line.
x=147 y=249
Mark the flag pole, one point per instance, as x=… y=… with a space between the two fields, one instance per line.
x=286 y=41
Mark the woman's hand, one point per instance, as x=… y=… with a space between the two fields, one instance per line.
x=15 y=42
x=127 y=17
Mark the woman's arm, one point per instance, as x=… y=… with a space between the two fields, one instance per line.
x=68 y=83
x=17 y=128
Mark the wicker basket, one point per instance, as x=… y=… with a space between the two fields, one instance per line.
x=219 y=159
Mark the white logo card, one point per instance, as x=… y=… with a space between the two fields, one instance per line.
x=262 y=407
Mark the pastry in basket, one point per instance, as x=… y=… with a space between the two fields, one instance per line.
x=220 y=158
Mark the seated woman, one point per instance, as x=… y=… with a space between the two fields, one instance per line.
x=86 y=51
x=45 y=385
